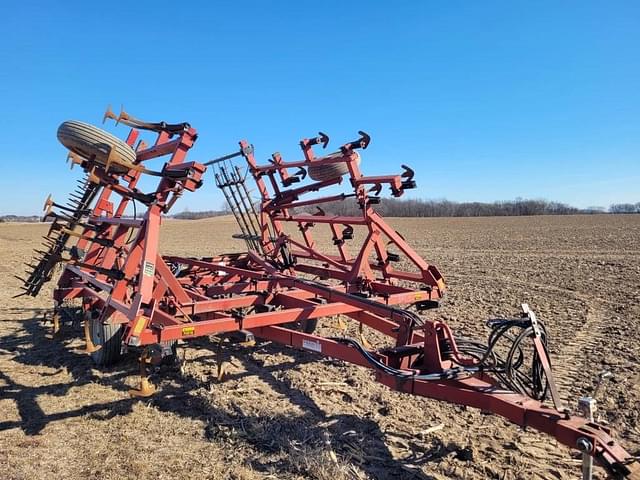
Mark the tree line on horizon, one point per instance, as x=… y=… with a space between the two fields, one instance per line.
x=395 y=207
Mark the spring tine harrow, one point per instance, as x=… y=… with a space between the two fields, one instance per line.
x=245 y=235
x=238 y=205
x=248 y=210
x=59 y=234
x=241 y=179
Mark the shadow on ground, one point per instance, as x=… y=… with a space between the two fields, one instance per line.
x=275 y=437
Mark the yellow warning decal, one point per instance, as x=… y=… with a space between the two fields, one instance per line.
x=418 y=296
x=189 y=331
x=141 y=321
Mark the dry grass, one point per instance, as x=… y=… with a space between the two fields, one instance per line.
x=284 y=414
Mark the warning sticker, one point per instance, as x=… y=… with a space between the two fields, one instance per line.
x=189 y=331
x=149 y=269
x=141 y=321
x=312 y=345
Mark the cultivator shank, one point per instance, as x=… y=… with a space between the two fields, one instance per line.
x=287 y=280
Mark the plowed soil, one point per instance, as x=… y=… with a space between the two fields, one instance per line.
x=286 y=414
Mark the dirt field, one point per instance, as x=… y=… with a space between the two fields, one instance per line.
x=284 y=414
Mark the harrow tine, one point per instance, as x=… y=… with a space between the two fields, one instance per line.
x=145 y=387
x=90 y=347
x=49 y=204
x=363 y=340
x=222 y=365
x=240 y=212
x=59 y=216
x=142 y=145
x=74 y=160
x=109 y=114
x=55 y=241
x=249 y=208
x=77 y=207
x=53 y=228
x=131 y=121
x=55 y=320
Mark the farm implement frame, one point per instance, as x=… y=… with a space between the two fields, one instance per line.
x=129 y=296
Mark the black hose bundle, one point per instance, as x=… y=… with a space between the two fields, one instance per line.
x=505 y=355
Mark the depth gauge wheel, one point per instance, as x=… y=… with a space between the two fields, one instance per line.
x=106 y=336
x=92 y=142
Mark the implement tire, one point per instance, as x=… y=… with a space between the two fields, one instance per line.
x=321 y=173
x=108 y=337
x=94 y=143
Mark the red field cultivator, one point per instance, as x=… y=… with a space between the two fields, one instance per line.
x=131 y=297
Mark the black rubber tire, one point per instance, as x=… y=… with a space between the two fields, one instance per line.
x=320 y=173
x=92 y=142
x=109 y=338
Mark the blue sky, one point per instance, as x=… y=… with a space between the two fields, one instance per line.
x=486 y=100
